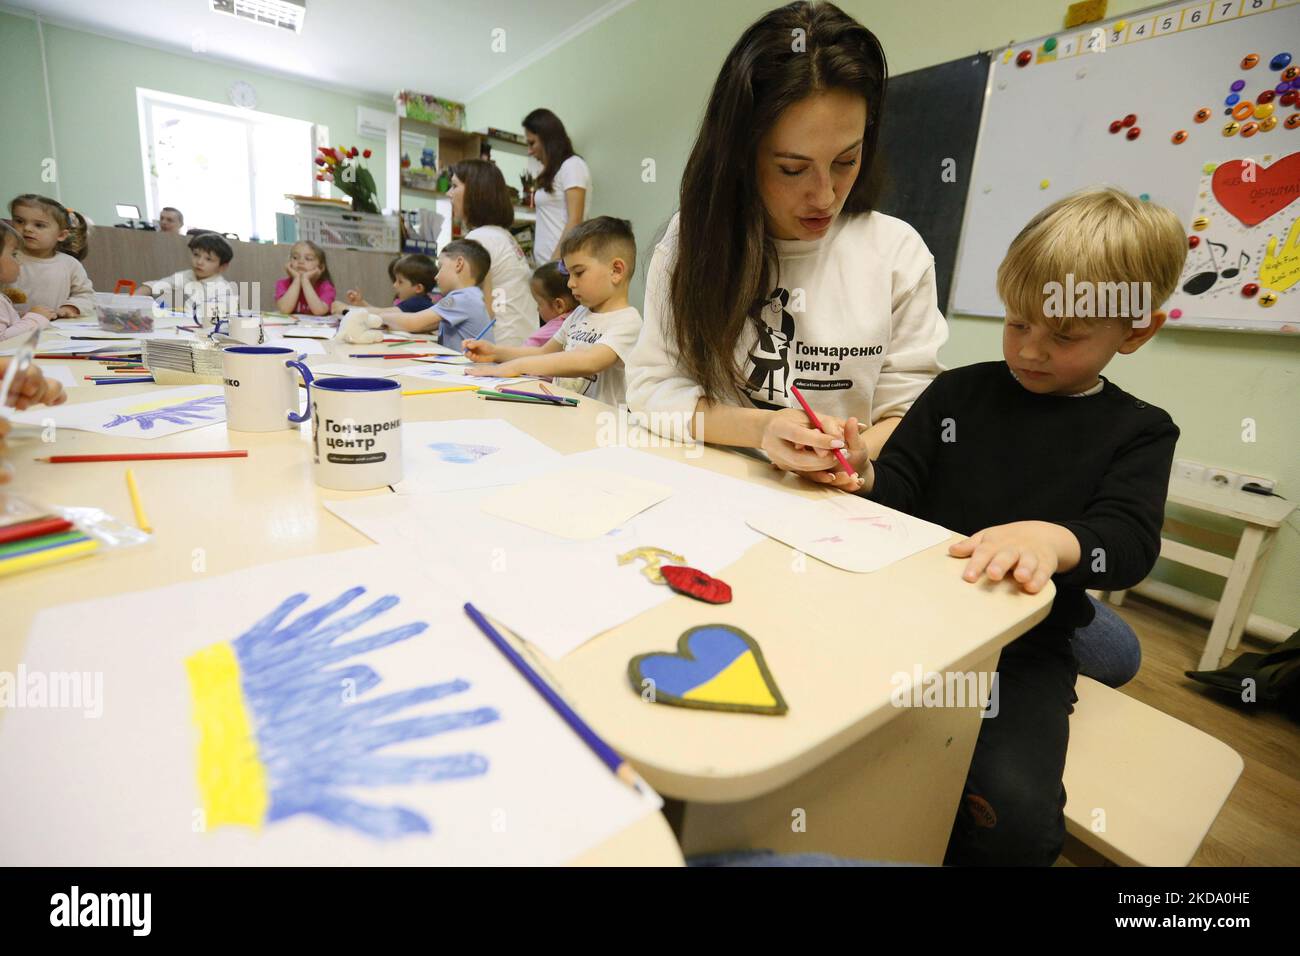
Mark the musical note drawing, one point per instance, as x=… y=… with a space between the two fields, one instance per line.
x=1202 y=282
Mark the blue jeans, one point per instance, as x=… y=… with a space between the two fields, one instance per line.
x=1107 y=649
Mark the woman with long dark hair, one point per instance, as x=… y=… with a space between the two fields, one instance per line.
x=480 y=199
x=563 y=182
x=776 y=272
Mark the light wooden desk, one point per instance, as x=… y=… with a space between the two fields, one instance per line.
x=845 y=771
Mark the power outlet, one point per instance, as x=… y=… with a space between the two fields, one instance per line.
x=1265 y=485
x=1189 y=470
x=1220 y=478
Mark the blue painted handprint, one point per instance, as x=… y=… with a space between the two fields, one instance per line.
x=184 y=414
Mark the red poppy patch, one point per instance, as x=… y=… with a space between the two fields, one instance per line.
x=696 y=584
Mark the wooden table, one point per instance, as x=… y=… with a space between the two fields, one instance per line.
x=845 y=771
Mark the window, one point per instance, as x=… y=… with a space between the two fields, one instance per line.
x=225 y=168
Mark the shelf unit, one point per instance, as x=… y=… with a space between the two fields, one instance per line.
x=454 y=145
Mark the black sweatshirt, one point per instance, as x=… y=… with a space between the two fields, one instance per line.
x=977 y=449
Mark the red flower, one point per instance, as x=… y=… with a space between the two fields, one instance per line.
x=696 y=584
x=366 y=153
x=320 y=178
x=354 y=152
x=320 y=161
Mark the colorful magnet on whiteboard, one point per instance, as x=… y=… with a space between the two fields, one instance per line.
x=1209 y=168
x=1024 y=58
x=1268 y=124
x=1120 y=24
x=1202 y=114
x=1200 y=222
x=1145 y=197
x=1291 y=72
x=1280 y=61
x=1292 y=121
x=1193 y=242
x=1242 y=110
x=1044 y=184
x=1049 y=44
x=1249 y=60
x=1265 y=97
x=1006 y=57
x=1249 y=289
x=1263 y=110
x=1267 y=299
x=1130 y=119
x=1249 y=129
x=1116 y=126
x=1231 y=99
x=1175 y=314
x=1238 y=86
x=1179 y=137
x=1134 y=133
x=1288 y=97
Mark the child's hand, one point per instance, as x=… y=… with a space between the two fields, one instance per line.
x=354 y=297
x=290 y=271
x=32 y=388
x=855 y=450
x=1030 y=551
x=479 y=350
x=509 y=369
x=41 y=310
x=794 y=445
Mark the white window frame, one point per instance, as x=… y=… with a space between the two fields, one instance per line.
x=146 y=98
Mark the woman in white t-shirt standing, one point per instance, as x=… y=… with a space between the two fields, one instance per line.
x=480 y=200
x=563 y=182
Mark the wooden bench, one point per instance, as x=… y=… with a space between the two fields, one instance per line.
x=1142 y=788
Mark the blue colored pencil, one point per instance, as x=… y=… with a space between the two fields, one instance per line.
x=607 y=754
x=121 y=380
x=482 y=335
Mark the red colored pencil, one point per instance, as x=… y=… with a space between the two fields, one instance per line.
x=31 y=529
x=147 y=456
x=844 y=462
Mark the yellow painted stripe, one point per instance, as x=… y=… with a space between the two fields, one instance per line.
x=232 y=781
x=740 y=682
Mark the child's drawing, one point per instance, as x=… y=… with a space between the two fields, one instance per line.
x=461 y=454
x=186 y=413
x=282 y=731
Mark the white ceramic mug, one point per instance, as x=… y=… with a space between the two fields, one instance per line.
x=262 y=388
x=242 y=328
x=356 y=432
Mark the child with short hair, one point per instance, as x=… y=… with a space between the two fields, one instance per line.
x=461 y=312
x=588 y=352
x=306 y=288
x=203 y=288
x=11 y=323
x=550 y=289
x=1053 y=473
x=50 y=274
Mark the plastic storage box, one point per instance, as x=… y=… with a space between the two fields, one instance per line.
x=124 y=313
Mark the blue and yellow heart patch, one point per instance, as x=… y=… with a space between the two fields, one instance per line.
x=716 y=667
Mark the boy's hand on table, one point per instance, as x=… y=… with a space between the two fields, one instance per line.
x=1029 y=551
x=509 y=369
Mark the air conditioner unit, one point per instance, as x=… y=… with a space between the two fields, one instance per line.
x=373 y=124
x=286 y=14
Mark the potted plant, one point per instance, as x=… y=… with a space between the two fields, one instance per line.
x=342 y=167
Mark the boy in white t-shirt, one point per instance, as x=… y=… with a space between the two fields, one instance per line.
x=587 y=354
x=202 y=289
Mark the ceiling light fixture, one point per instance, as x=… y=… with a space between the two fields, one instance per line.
x=286 y=14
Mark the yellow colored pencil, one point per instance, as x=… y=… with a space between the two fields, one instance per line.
x=439 y=391
x=134 y=489
x=38 y=559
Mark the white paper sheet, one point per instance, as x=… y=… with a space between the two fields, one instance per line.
x=559 y=594
x=154 y=413
x=301 y=346
x=355 y=371
x=579 y=504
x=426 y=746
x=849 y=532
x=441 y=375
x=468 y=453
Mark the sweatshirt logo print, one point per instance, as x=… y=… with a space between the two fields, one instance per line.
x=770 y=358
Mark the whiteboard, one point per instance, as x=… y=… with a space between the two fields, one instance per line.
x=1046 y=133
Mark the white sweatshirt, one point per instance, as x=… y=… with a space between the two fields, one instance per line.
x=853 y=322
x=55 y=282
x=516 y=318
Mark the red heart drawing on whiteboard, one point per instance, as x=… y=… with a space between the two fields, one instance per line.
x=1274 y=187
